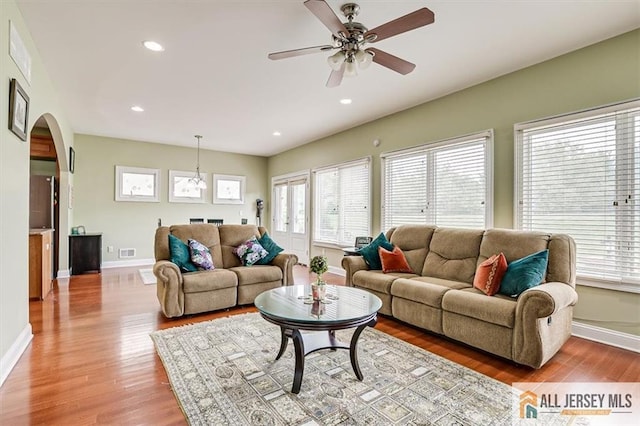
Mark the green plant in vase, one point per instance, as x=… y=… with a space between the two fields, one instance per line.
x=318 y=266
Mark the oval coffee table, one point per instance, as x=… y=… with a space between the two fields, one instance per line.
x=285 y=307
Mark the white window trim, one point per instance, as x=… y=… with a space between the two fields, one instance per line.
x=363 y=160
x=489 y=196
x=182 y=199
x=235 y=198
x=121 y=196
x=551 y=121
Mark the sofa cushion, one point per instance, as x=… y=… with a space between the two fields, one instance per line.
x=179 y=252
x=271 y=247
x=419 y=291
x=393 y=261
x=473 y=303
x=216 y=279
x=200 y=255
x=257 y=274
x=370 y=251
x=525 y=273
x=414 y=242
x=513 y=243
x=231 y=236
x=450 y=284
x=377 y=280
x=489 y=274
x=205 y=233
x=453 y=254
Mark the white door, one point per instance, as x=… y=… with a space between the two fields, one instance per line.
x=290 y=220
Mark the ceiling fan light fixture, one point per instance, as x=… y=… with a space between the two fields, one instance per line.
x=350 y=69
x=335 y=61
x=364 y=58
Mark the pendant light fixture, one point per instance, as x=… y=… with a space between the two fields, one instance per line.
x=197 y=181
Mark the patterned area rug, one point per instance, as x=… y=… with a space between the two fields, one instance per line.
x=147 y=277
x=223 y=373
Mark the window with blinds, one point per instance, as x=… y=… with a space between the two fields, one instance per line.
x=579 y=174
x=342 y=209
x=447 y=183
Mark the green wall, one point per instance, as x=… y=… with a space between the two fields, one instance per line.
x=133 y=224
x=600 y=74
x=15 y=330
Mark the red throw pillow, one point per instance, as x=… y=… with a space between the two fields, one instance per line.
x=489 y=274
x=393 y=261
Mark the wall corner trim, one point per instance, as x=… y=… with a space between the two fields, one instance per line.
x=10 y=359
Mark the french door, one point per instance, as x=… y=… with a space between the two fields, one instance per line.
x=290 y=222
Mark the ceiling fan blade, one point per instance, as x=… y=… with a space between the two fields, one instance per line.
x=392 y=62
x=335 y=78
x=299 y=52
x=417 y=19
x=325 y=14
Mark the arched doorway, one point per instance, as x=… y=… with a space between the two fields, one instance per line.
x=45 y=194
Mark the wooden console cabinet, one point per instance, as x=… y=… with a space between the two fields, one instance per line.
x=40 y=262
x=85 y=253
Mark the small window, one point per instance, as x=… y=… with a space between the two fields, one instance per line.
x=137 y=184
x=182 y=191
x=228 y=189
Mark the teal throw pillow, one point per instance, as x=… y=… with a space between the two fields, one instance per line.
x=180 y=255
x=271 y=247
x=525 y=273
x=370 y=252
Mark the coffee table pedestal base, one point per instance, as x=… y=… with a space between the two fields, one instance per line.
x=305 y=342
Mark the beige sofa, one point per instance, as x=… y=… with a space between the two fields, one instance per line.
x=440 y=297
x=229 y=284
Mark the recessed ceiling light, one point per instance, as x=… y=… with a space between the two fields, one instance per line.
x=276 y=133
x=152 y=45
x=345 y=101
x=137 y=108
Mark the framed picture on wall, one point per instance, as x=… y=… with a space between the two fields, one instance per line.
x=18 y=110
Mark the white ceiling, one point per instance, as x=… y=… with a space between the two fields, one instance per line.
x=214 y=77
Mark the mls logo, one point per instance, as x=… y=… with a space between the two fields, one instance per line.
x=528 y=405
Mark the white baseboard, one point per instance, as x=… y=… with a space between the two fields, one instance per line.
x=609 y=337
x=114 y=264
x=127 y=263
x=10 y=359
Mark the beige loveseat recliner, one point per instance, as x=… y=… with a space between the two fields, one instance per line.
x=439 y=296
x=229 y=284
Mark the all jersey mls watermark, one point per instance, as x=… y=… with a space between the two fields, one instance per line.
x=584 y=403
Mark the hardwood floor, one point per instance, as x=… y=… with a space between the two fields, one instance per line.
x=91 y=360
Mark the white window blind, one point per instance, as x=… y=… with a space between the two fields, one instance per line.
x=580 y=174
x=446 y=183
x=342 y=203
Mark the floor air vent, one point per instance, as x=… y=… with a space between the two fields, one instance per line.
x=125 y=253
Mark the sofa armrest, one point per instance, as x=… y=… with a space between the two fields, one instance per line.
x=547 y=299
x=169 y=288
x=286 y=262
x=536 y=337
x=351 y=265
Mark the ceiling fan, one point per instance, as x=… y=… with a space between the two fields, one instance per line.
x=350 y=38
